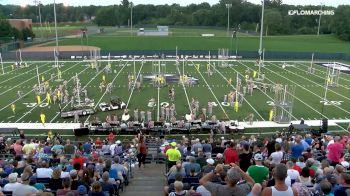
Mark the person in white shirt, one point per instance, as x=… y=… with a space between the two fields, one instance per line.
x=44 y=171
x=111 y=148
x=292 y=173
x=24 y=188
x=13 y=184
x=276 y=157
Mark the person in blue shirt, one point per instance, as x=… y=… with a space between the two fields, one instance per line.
x=87 y=148
x=297 y=148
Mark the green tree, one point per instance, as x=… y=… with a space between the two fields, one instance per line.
x=341 y=22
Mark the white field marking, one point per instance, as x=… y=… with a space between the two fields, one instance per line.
x=10 y=72
x=82 y=88
x=217 y=101
x=320 y=77
x=115 y=77
x=133 y=88
x=235 y=89
x=25 y=81
x=316 y=83
x=25 y=114
x=33 y=90
x=310 y=92
x=296 y=97
x=158 y=104
x=320 y=70
x=184 y=87
x=261 y=91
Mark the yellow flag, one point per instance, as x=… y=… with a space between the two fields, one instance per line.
x=254 y=74
x=103 y=78
x=42 y=78
x=38 y=99
x=236 y=106
x=270 y=115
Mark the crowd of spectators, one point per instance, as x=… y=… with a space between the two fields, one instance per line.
x=277 y=165
x=57 y=167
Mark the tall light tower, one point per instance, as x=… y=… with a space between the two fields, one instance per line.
x=36 y=2
x=54 y=14
x=131 y=6
x=228 y=6
x=261 y=33
x=319 y=21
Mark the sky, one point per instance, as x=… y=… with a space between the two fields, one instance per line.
x=181 y=2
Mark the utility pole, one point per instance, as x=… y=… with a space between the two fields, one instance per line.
x=319 y=21
x=228 y=6
x=54 y=9
x=261 y=33
x=131 y=5
x=36 y=2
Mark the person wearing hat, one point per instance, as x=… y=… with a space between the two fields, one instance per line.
x=209 y=167
x=173 y=155
x=258 y=172
x=24 y=188
x=13 y=184
x=232 y=187
x=82 y=191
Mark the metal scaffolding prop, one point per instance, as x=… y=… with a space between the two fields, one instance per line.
x=333 y=74
x=223 y=57
x=283 y=103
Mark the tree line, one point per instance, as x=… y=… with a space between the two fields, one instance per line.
x=244 y=14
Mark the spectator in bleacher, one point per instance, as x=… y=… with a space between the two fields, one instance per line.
x=230 y=154
x=276 y=157
x=28 y=147
x=217 y=148
x=43 y=171
x=297 y=148
x=69 y=148
x=335 y=150
x=66 y=184
x=96 y=189
x=207 y=148
x=209 y=167
x=84 y=177
x=344 y=188
x=192 y=165
x=47 y=148
x=79 y=159
x=87 y=147
x=175 y=170
x=33 y=182
x=292 y=173
x=98 y=143
x=178 y=189
x=107 y=187
x=56 y=180
x=219 y=159
x=173 y=155
x=258 y=172
x=196 y=145
x=170 y=188
x=187 y=151
x=234 y=175
x=141 y=152
x=17 y=168
x=201 y=159
x=112 y=147
x=280 y=187
x=57 y=148
x=105 y=148
x=245 y=157
x=75 y=183
x=13 y=184
x=17 y=147
x=82 y=191
x=24 y=188
x=117 y=166
x=271 y=145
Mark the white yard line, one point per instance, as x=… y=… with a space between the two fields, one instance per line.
x=82 y=88
x=305 y=89
x=184 y=88
x=25 y=81
x=10 y=72
x=218 y=102
x=294 y=96
x=28 y=112
x=260 y=90
x=115 y=77
x=133 y=88
x=314 y=83
x=33 y=90
x=321 y=76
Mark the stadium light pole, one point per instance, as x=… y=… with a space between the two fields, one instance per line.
x=228 y=6
x=261 y=33
x=54 y=9
x=319 y=21
x=36 y=2
x=131 y=5
x=238 y=28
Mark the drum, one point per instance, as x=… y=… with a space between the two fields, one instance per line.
x=125 y=117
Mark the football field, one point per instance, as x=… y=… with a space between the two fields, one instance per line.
x=308 y=97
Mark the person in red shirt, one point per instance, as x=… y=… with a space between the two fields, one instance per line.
x=110 y=137
x=79 y=159
x=334 y=151
x=98 y=142
x=167 y=147
x=231 y=155
x=296 y=167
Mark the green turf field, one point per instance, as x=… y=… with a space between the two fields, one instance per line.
x=190 y=39
x=309 y=90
